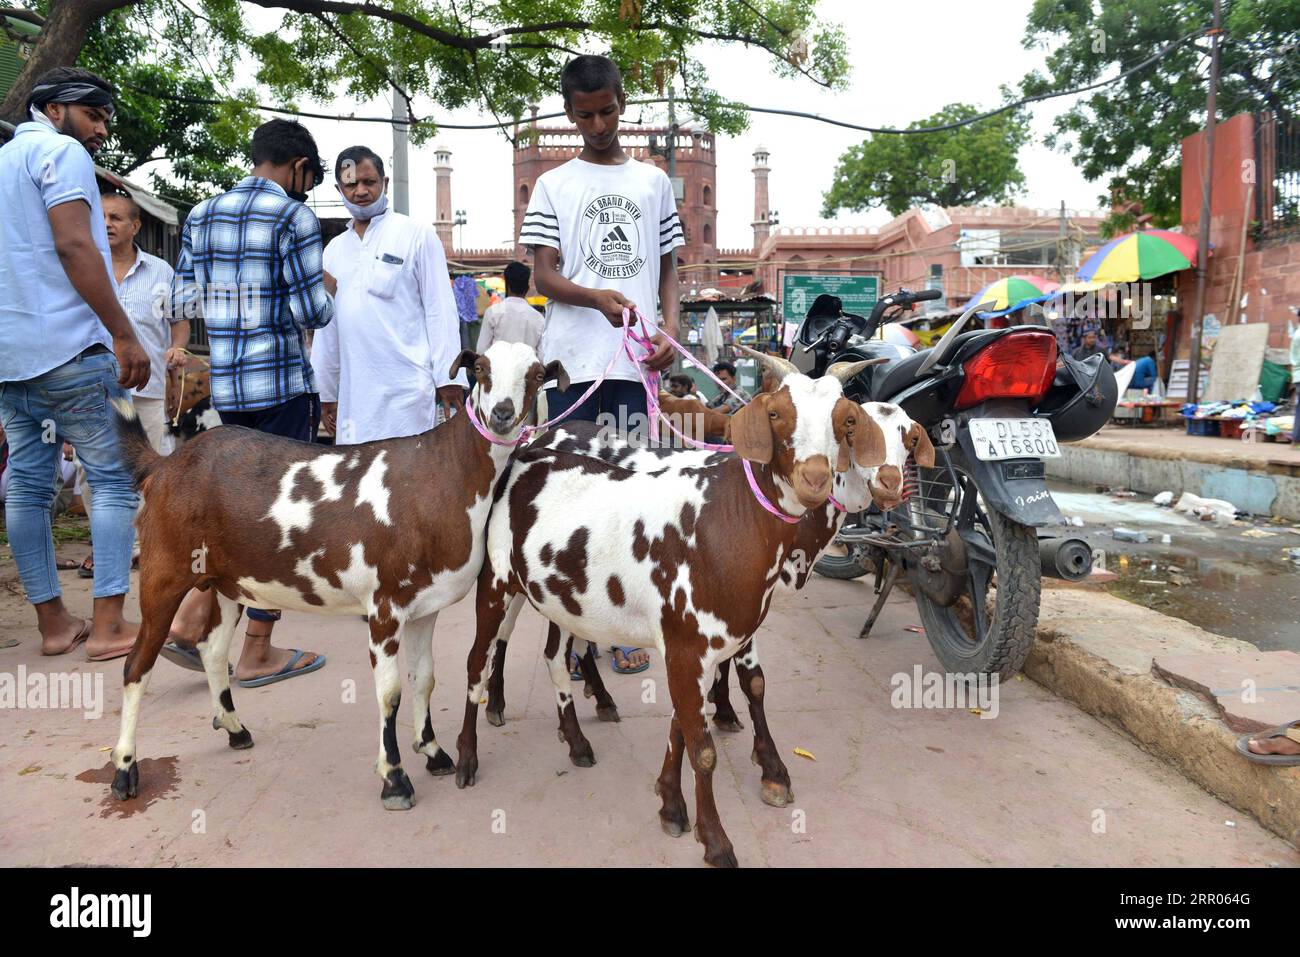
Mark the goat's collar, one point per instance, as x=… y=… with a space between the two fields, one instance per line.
x=763 y=500
x=472 y=415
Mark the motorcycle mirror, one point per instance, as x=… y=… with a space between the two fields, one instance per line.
x=940 y=351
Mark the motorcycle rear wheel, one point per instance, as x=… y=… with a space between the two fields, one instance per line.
x=1004 y=595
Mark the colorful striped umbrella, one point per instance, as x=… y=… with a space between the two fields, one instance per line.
x=1141 y=255
x=1012 y=293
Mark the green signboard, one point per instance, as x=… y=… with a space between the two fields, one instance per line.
x=858 y=293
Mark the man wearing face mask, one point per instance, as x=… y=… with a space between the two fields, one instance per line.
x=383 y=364
x=66 y=348
x=250 y=265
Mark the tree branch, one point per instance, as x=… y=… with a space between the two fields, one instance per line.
x=342 y=37
x=484 y=40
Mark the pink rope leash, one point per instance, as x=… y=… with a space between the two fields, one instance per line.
x=650 y=382
x=651 y=385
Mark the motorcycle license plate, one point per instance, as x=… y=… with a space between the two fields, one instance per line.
x=996 y=439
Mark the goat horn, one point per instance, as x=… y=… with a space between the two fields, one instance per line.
x=780 y=367
x=844 y=371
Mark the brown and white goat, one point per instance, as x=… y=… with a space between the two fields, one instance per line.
x=855 y=489
x=652 y=560
x=392 y=529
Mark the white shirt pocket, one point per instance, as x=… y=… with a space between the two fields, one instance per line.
x=382 y=279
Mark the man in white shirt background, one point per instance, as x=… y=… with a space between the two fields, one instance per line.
x=143 y=287
x=382 y=365
x=512 y=319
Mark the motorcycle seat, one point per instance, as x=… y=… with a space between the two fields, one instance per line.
x=899 y=375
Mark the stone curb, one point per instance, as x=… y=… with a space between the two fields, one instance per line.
x=1175 y=725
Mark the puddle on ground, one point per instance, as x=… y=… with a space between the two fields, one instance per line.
x=158 y=778
x=1235 y=580
x=1254 y=600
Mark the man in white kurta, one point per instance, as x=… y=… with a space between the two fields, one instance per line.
x=382 y=365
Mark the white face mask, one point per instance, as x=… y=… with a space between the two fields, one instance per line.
x=365 y=212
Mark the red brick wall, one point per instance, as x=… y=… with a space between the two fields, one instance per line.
x=1270 y=276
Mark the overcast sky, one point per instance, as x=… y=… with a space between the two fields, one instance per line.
x=909 y=60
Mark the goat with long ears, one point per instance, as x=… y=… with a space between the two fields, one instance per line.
x=650 y=560
x=392 y=529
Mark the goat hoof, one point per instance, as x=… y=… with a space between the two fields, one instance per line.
x=776 y=794
x=465 y=772
x=398 y=793
x=608 y=713
x=496 y=718
x=240 y=740
x=729 y=724
x=126 y=783
x=583 y=756
x=440 y=765
x=587 y=690
x=672 y=826
x=725 y=857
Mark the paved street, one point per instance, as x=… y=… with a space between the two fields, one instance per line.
x=1041 y=784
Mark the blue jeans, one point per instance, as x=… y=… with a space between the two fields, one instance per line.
x=67 y=403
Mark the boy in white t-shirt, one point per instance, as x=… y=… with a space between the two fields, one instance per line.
x=602 y=229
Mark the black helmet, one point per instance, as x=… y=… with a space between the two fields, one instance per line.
x=1082 y=397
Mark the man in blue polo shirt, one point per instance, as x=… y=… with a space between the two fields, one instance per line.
x=66 y=348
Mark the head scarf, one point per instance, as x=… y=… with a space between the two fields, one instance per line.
x=71 y=91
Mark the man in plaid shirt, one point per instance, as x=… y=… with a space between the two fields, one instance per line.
x=250 y=265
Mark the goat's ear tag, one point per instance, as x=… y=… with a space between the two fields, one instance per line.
x=467 y=357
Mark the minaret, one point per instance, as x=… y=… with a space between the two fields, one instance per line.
x=761 y=226
x=442 y=223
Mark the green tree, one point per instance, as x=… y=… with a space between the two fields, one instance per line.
x=1131 y=132
x=958 y=167
x=172 y=57
x=166 y=111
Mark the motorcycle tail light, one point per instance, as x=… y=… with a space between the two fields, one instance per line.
x=1020 y=365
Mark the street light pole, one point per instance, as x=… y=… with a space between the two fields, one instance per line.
x=401 y=174
x=1203 y=241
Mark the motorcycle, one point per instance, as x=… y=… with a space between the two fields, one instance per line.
x=973 y=535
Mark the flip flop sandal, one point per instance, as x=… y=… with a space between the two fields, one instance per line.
x=67 y=564
x=575 y=668
x=86 y=571
x=288 y=671
x=81 y=636
x=626 y=669
x=187 y=656
x=1291 y=731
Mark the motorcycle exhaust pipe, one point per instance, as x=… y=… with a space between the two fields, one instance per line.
x=1069 y=559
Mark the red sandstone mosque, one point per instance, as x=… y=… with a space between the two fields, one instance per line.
x=961 y=249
